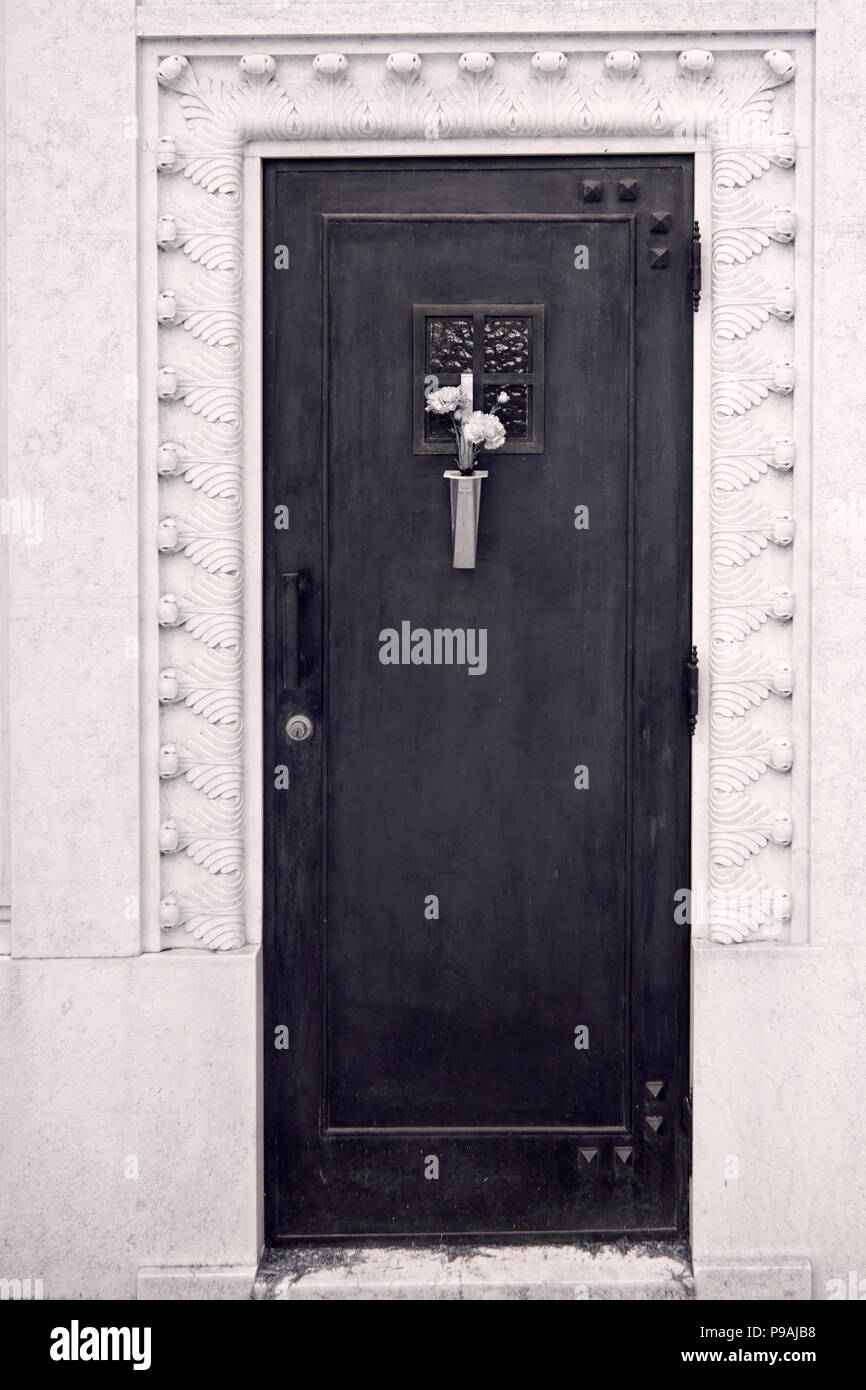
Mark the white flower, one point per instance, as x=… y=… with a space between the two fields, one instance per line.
x=502 y=398
x=446 y=400
x=484 y=429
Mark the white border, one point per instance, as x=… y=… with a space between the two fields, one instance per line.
x=253 y=151
x=161 y=20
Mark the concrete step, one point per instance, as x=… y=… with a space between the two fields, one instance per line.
x=655 y=1270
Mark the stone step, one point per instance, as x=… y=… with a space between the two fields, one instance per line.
x=550 y=1272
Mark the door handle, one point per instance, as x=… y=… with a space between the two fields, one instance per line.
x=290 y=643
x=691 y=682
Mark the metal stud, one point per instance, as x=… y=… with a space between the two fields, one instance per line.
x=592 y=190
x=655 y=1122
x=660 y=222
x=659 y=257
x=655 y=1088
x=624 y=1155
x=628 y=189
x=588 y=1154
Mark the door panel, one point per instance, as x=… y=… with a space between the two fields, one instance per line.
x=473 y=951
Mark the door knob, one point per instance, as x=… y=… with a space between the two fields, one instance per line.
x=299 y=727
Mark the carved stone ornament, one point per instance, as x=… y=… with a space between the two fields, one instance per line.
x=737 y=104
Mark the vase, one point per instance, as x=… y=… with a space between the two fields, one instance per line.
x=465 y=489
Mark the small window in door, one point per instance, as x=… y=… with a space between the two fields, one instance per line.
x=502 y=345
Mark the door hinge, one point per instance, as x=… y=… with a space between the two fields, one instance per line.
x=691 y=683
x=696 y=267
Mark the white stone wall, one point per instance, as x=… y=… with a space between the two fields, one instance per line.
x=72 y=439
x=779 y=1034
x=129 y=1089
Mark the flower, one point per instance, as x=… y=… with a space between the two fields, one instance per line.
x=502 y=398
x=446 y=400
x=484 y=430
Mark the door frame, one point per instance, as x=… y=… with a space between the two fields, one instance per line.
x=247 y=384
x=676 y=172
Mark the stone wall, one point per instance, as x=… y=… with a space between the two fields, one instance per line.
x=129 y=1082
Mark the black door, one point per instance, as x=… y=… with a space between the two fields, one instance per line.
x=476 y=992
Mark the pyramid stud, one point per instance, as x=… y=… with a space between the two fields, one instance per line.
x=624 y=1155
x=592 y=190
x=628 y=190
x=655 y=1122
x=655 y=1088
x=588 y=1154
x=660 y=222
x=659 y=257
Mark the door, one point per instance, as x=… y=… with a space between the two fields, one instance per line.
x=478 y=815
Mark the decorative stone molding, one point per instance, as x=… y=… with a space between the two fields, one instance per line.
x=726 y=101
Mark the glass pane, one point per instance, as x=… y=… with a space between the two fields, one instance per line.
x=507 y=345
x=515 y=413
x=437 y=427
x=449 y=345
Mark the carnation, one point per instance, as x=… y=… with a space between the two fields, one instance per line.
x=485 y=430
x=445 y=401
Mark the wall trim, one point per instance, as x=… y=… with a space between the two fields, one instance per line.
x=372 y=18
x=733 y=104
